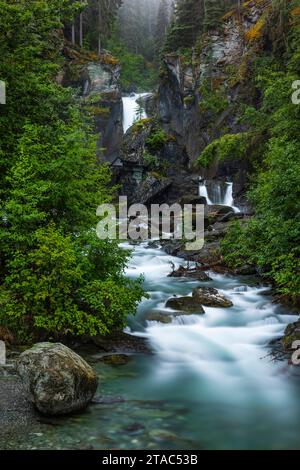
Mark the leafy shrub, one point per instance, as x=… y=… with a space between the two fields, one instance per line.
x=157 y=140
x=229 y=146
x=213 y=99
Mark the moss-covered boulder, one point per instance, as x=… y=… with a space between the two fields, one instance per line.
x=57 y=380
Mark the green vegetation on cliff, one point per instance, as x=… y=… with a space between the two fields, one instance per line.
x=137 y=73
x=191 y=19
x=56 y=277
x=271 y=240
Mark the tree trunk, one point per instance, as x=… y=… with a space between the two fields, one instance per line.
x=81 y=29
x=99 y=25
x=239 y=9
x=73 y=34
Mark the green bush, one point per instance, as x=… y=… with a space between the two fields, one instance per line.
x=213 y=98
x=229 y=146
x=157 y=140
x=55 y=289
x=136 y=72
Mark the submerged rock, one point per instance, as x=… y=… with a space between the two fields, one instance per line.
x=116 y=359
x=197 y=274
x=122 y=343
x=210 y=297
x=57 y=380
x=163 y=435
x=107 y=401
x=160 y=317
x=185 y=304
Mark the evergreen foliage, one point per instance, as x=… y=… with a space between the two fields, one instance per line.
x=271 y=240
x=191 y=19
x=56 y=277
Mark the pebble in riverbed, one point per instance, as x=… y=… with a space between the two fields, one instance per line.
x=116 y=359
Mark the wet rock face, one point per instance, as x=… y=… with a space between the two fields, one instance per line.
x=149 y=103
x=221 y=62
x=97 y=78
x=102 y=94
x=144 y=184
x=101 y=78
x=57 y=381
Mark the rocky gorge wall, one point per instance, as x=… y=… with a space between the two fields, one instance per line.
x=96 y=78
x=200 y=92
x=200 y=98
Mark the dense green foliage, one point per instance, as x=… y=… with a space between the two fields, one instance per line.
x=137 y=74
x=229 y=146
x=56 y=277
x=271 y=240
x=191 y=19
x=157 y=140
x=91 y=22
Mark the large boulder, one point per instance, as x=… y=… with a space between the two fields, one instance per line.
x=210 y=297
x=57 y=380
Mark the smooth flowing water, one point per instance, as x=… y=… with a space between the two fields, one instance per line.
x=209 y=385
x=131 y=110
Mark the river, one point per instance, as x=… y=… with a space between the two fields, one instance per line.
x=209 y=385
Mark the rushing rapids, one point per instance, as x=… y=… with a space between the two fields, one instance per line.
x=210 y=383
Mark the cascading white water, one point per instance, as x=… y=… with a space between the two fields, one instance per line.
x=228 y=199
x=217 y=193
x=208 y=385
x=204 y=193
x=215 y=361
x=131 y=110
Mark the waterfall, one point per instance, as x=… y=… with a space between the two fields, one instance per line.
x=204 y=193
x=132 y=111
x=228 y=199
x=217 y=193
